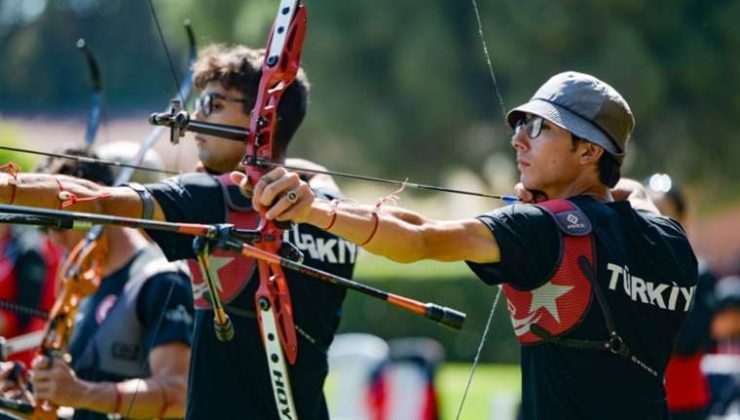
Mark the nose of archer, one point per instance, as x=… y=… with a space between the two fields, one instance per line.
x=519 y=140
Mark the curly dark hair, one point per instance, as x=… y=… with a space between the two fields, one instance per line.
x=239 y=67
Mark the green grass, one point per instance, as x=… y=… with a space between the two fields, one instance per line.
x=491 y=384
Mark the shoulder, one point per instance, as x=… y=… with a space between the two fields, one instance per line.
x=160 y=282
x=167 y=289
x=190 y=197
x=662 y=224
x=186 y=181
x=517 y=215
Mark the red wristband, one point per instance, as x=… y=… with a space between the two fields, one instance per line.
x=376 y=221
x=333 y=219
x=117 y=408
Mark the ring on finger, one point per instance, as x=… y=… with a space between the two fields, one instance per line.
x=292 y=196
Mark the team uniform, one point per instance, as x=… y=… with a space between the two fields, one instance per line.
x=567 y=321
x=231 y=379
x=145 y=304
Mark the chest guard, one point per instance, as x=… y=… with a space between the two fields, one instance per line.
x=117 y=347
x=233 y=270
x=556 y=307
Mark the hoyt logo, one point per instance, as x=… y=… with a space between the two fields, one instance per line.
x=281 y=391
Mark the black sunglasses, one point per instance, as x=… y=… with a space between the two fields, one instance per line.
x=204 y=103
x=533 y=125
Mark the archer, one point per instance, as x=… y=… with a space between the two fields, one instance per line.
x=227 y=379
x=597 y=288
x=130 y=347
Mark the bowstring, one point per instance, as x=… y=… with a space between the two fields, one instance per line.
x=497 y=92
x=172 y=286
x=482 y=344
x=489 y=62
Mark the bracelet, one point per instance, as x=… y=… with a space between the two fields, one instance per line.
x=117 y=408
x=333 y=219
x=376 y=221
x=68 y=198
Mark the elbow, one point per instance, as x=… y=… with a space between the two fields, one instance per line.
x=412 y=247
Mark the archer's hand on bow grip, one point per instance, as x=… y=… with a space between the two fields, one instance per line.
x=281 y=196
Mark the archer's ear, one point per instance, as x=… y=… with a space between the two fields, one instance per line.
x=590 y=152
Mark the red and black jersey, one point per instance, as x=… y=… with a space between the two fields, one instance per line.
x=646 y=271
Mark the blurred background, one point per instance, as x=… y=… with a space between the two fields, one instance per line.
x=402 y=90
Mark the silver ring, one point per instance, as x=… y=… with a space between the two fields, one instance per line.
x=292 y=196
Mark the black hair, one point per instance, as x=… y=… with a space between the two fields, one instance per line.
x=609 y=168
x=95 y=172
x=239 y=67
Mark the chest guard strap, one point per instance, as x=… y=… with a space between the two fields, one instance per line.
x=562 y=302
x=573 y=223
x=576 y=270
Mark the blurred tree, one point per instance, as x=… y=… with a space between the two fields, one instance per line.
x=402 y=88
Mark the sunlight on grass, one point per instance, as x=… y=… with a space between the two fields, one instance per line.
x=494 y=393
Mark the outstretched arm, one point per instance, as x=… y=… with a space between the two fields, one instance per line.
x=393 y=232
x=162 y=395
x=76 y=194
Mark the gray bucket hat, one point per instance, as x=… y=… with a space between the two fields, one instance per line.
x=585 y=106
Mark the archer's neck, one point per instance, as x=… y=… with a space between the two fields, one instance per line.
x=123 y=244
x=593 y=189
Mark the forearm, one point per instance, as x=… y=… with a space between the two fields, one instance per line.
x=75 y=194
x=397 y=234
x=149 y=398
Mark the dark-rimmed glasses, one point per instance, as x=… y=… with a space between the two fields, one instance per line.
x=204 y=103
x=533 y=126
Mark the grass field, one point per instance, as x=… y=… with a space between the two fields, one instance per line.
x=493 y=394
x=494 y=387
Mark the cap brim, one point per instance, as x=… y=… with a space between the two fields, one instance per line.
x=565 y=119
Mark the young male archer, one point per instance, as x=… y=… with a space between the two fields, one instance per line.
x=596 y=288
x=227 y=379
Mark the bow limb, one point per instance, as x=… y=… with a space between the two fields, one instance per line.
x=93 y=120
x=84 y=268
x=279 y=70
x=272 y=299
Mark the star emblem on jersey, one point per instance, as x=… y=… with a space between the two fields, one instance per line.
x=545 y=297
x=217 y=263
x=556 y=307
x=232 y=272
